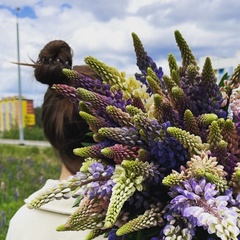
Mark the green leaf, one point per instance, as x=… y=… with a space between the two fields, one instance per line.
x=224 y=77
x=86 y=144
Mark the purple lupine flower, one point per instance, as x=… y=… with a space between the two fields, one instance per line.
x=226 y=159
x=112 y=235
x=143 y=62
x=204 y=91
x=200 y=204
x=126 y=136
x=103 y=186
x=168 y=153
x=104 y=89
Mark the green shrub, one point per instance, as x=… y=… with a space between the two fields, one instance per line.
x=35 y=133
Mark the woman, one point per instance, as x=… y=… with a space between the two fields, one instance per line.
x=65 y=130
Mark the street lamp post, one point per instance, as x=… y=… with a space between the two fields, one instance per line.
x=21 y=134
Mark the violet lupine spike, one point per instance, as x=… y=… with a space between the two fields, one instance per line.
x=95 y=85
x=112 y=76
x=225 y=159
x=67 y=91
x=144 y=61
x=208 y=98
x=98 y=102
x=100 y=183
x=168 y=154
x=97 y=183
x=151 y=128
x=201 y=204
x=189 y=83
x=119 y=152
x=124 y=135
x=83 y=81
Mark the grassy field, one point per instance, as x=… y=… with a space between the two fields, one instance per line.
x=23 y=170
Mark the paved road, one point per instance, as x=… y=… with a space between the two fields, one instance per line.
x=25 y=142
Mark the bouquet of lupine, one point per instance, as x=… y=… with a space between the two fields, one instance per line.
x=166 y=162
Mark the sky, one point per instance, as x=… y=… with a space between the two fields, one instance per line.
x=102 y=29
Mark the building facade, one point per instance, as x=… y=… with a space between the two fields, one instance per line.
x=10 y=113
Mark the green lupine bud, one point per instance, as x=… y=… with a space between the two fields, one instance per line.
x=173 y=179
x=128 y=177
x=221 y=183
x=190 y=141
x=133 y=110
x=206 y=119
x=86 y=164
x=123 y=118
x=175 y=77
x=186 y=53
x=192 y=72
x=94 y=233
x=214 y=136
x=154 y=82
x=150 y=218
x=169 y=83
x=95 y=123
x=89 y=215
x=190 y=123
x=207 y=72
x=172 y=63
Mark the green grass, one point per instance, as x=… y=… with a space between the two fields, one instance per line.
x=23 y=170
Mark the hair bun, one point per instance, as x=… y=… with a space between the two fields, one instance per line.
x=55 y=56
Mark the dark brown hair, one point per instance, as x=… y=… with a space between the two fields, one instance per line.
x=63 y=126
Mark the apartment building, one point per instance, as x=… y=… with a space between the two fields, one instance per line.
x=10 y=113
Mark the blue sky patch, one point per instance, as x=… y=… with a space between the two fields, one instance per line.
x=24 y=12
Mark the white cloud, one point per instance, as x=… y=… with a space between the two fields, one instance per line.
x=103 y=29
